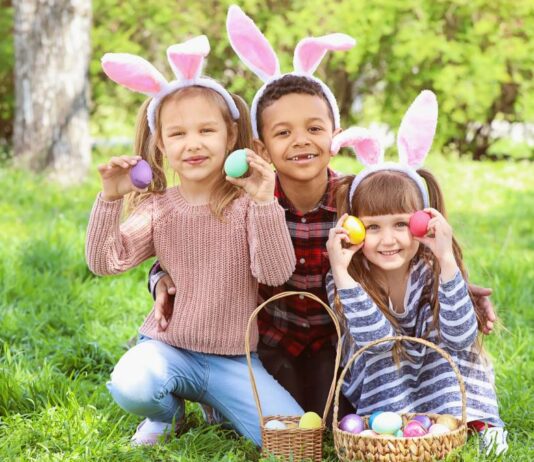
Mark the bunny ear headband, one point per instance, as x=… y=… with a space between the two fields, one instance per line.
x=257 y=54
x=186 y=59
x=414 y=140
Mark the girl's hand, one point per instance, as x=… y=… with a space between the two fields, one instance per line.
x=339 y=255
x=115 y=176
x=259 y=185
x=440 y=243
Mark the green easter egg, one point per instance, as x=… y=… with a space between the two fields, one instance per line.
x=387 y=423
x=236 y=164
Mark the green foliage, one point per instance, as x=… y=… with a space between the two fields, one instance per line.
x=62 y=329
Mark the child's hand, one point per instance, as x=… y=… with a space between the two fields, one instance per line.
x=164 y=303
x=115 y=176
x=259 y=185
x=339 y=255
x=439 y=241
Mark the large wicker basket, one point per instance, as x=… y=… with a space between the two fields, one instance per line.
x=354 y=447
x=292 y=444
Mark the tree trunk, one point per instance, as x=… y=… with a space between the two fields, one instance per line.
x=52 y=48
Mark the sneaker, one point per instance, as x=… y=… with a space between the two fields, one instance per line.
x=211 y=415
x=151 y=432
x=494 y=441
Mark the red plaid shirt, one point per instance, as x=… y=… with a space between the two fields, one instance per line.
x=295 y=323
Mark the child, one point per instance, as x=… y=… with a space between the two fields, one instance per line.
x=218 y=242
x=396 y=286
x=292 y=115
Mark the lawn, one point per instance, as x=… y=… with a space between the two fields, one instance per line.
x=62 y=329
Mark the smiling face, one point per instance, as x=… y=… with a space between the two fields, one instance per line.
x=388 y=242
x=297 y=133
x=195 y=137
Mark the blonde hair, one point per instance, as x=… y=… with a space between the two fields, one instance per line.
x=146 y=146
x=389 y=192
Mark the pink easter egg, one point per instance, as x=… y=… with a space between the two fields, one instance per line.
x=413 y=429
x=438 y=429
x=419 y=223
x=141 y=174
x=352 y=423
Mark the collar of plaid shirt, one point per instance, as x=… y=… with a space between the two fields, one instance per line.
x=294 y=323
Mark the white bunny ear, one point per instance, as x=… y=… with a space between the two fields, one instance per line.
x=367 y=147
x=186 y=58
x=251 y=45
x=417 y=129
x=133 y=72
x=310 y=51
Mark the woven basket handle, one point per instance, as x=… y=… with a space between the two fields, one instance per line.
x=398 y=339
x=247 y=348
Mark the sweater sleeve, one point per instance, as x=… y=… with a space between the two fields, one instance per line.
x=272 y=255
x=457 y=319
x=111 y=247
x=365 y=322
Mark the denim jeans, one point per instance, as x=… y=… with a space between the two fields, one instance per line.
x=153 y=378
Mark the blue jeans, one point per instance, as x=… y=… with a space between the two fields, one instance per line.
x=153 y=378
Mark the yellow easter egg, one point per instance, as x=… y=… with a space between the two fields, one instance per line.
x=355 y=228
x=310 y=420
x=448 y=420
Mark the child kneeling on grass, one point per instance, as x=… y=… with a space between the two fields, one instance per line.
x=399 y=284
x=218 y=236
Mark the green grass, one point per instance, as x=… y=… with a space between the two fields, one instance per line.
x=62 y=329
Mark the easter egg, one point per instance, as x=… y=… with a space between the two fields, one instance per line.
x=310 y=420
x=275 y=425
x=141 y=174
x=355 y=228
x=372 y=417
x=352 y=423
x=399 y=433
x=236 y=164
x=419 y=223
x=448 y=420
x=387 y=422
x=424 y=420
x=368 y=433
x=291 y=424
x=413 y=429
x=438 y=429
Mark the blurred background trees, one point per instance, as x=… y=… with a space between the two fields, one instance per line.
x=477 y=55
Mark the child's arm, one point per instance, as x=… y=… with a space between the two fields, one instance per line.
x=365 y=322
x=271 y=250
x=458 y=322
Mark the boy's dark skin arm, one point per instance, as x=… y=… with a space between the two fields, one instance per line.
x=165 y=291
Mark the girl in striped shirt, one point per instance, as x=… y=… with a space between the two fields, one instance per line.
x=397 y=284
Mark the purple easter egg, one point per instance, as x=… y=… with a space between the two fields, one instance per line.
x=424 y=420
x=141 y=174
x=413 y=429
x=352 y=423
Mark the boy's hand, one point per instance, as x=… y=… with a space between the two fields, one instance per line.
x=483 y=307
x=164 y=303
x=259 y=185
x=115 y=176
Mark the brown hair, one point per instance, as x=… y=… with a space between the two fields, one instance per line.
x=388 y=192
x=146 y=145
x=289 y=84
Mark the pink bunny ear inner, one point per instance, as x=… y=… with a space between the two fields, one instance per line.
x=417 y=129
x=367 y=146
x=133 y=72
x=186 y=58
x=251 y=45
x=310 y=51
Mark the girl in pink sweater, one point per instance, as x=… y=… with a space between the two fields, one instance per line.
x=218 y=236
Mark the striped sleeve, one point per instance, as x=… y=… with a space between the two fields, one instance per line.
x=458 y=322
x=365 y=322
x=112 y=248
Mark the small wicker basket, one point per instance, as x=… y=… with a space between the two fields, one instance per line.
x=354 y=447
x=293 y=444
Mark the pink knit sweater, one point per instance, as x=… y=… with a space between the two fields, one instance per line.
x=215 y=265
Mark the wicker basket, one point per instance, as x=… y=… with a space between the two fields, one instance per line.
x=354 y=447
x=292 y=444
